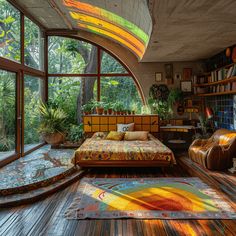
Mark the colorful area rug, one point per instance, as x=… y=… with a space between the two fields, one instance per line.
x=160 y=198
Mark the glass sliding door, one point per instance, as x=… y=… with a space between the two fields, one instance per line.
x=7 y=114
x=33 y=95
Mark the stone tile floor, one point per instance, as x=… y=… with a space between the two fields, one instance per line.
x=37 y=166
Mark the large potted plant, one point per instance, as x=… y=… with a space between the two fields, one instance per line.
x=52 y=125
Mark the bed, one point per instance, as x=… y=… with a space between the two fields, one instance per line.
x=99 y=152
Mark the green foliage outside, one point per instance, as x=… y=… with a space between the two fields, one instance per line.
x=9 y=31
x=7 y=111
x=65 y=56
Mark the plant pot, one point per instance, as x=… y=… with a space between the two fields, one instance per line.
x=118 y=112
x=109 y=111
x=54 y=138
x=87 y=112
x=105 y=112
x=99 y=110
x=133 y=112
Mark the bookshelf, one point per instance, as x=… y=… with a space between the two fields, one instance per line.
x=218 y=82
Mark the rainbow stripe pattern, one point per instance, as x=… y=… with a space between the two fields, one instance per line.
x=163 y=198
x=103 y=22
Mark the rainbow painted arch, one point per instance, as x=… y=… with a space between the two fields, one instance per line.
x=108 y=24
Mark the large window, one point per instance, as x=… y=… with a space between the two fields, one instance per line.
x=19 y=113
x=71 y=63
x=121 y=90
x=71 y=56
x=64 y=93
x=7 y=113
x=33 y=45
x=10 y=33
x=110 y=65
x=33 y=95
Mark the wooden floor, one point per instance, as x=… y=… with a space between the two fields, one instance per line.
x=46 y=217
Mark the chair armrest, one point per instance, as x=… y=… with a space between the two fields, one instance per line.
x=218 y=158
x=199 y=142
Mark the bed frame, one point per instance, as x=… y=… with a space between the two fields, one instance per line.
x=126 y=163
x=105 y=123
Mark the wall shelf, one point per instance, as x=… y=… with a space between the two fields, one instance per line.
x=224 y=81
x=216 y=94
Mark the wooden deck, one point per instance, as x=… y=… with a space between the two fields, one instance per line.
x=46 y=217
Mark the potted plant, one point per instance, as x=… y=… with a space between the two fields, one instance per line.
x=175 y=96
x=52 y=126
x=106 y=107
x=109 y=108
x=119 y=108
x=134 y=108
x=99 y=106
x=87 y=108
x=75 y=135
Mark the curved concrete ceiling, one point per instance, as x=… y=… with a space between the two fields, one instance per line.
x=183 y=30
x=188 y=30
x=128 y=23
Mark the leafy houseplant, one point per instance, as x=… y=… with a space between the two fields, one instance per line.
x=52 y=125
x=99 y=106
x=75 y=133
x=175 y=96
x=119 y=108
x=87 y=108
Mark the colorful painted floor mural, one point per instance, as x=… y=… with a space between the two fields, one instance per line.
x=147 y=198
x=40 y=165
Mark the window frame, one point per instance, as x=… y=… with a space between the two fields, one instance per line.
x=21 y=69
x=99 y=74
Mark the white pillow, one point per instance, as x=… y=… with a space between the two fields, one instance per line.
x=125 y=127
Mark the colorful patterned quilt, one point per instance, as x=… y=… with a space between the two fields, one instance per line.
x=98 y=148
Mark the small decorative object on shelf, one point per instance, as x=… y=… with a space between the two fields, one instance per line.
x=233 y=169
x=234 y=55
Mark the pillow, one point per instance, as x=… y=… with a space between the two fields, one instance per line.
x=114 y=135
x=136 y=135
x=125 y=127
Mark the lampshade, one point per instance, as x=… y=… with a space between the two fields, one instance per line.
x=209 y=112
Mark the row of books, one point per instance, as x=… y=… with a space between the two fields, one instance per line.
x=217 y=75
x=216 y=89
x=221 y=74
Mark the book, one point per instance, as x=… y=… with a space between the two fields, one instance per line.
x=233 y=71
x=229 y=72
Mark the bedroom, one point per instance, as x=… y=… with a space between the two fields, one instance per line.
x=162 y=73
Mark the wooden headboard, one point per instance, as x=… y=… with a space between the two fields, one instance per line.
x=106 y=123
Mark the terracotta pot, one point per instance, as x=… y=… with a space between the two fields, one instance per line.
x=118 y=113
x=87 y=113
x=54 y=138
x=99 y=110
x=109 y=111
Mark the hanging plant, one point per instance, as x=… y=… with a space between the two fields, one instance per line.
x=159 y=92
